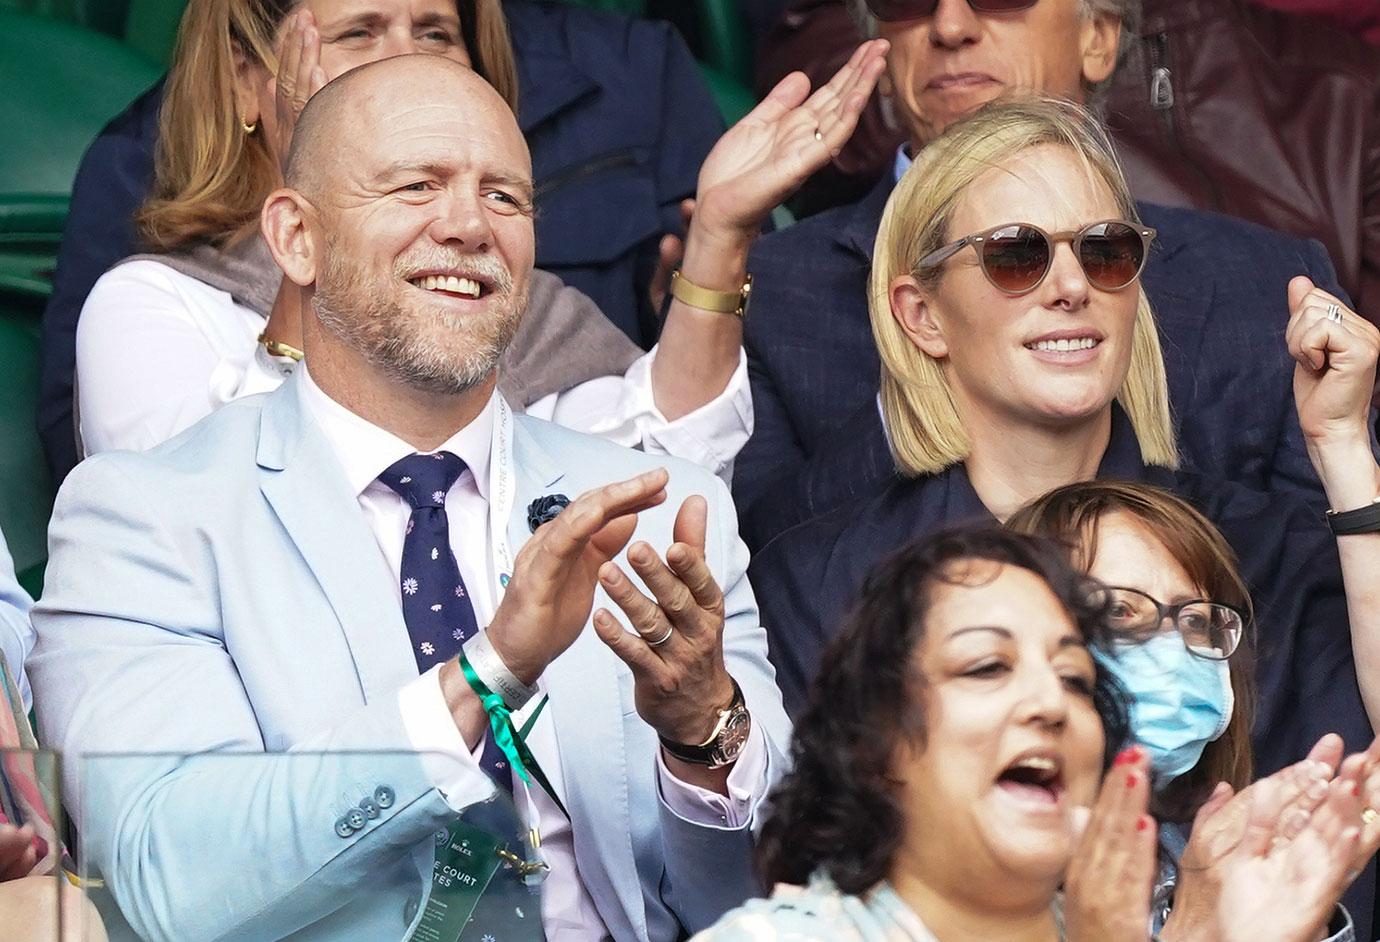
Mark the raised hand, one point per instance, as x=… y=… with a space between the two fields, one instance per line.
x=1286 y=800
x=1335 y=350
x=551 y=592
x=1110 y=879
x=300 y=76
x=676 y=654
x=1286 y=890
x=777 y=146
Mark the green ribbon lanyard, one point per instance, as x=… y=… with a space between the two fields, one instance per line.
x=511 y=741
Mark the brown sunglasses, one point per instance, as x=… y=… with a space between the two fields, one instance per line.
x=1016 y=256
x=890 y=11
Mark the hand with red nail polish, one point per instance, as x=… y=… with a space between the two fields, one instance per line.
x=1107 y=889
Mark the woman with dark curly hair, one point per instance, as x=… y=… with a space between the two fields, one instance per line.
x=957 y=721
x=949 y=753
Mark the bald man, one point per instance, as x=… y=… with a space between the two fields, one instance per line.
x=349 y=563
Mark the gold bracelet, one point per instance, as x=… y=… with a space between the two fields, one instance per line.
x=279 y=349
x=707 y=299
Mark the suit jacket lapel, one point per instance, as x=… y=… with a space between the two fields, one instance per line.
x=587 y=711
x=303 y=482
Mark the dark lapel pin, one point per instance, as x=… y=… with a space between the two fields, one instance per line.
x=545 y=509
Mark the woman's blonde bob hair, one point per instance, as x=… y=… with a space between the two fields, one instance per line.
x=923 y=424
x=210 y=177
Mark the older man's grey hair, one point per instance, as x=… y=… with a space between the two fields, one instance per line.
x=1128 y=12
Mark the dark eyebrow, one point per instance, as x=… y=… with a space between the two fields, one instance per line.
x=1067 y=641
x=995 y=629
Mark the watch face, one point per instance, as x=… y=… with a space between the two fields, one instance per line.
x=733 y=737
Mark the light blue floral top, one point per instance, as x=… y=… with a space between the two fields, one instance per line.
x=821 y=913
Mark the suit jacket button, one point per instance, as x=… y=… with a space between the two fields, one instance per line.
x=369 y=807
x=384 y=796
x=355 y=818
x=343 y=829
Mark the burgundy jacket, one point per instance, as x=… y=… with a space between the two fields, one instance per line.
x=1260 y=114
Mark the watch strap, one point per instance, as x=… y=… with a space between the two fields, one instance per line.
x=1361 y=520
x=707 y=299
x=703 y=753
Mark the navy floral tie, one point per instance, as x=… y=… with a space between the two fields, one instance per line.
x=440 y=618
x=436 y=604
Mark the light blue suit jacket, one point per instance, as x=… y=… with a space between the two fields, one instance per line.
x=223 y=594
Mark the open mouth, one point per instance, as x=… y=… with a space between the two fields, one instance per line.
x=1064 y=345
x=454 y=286
x=1036 y=779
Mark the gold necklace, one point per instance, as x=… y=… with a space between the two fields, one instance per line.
x=279 y=349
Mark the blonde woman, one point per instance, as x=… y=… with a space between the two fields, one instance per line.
x=1019 y=354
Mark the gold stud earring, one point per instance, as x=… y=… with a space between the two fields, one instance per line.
x=249 y=128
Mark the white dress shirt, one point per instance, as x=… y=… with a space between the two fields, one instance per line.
x=158 y=350
x=365 y=451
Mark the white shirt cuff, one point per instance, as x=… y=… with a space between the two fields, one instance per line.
x=450 y=765
x=747 y=785
x=711 y=436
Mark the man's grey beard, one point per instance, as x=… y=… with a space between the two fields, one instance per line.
x=407 y=346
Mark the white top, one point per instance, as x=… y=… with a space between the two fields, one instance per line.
x=364 y=452
x=158 y=350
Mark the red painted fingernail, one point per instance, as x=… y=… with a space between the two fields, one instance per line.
x=1131 y=780
x=1142 y=823
x=1127 y=756
x=1355 y=790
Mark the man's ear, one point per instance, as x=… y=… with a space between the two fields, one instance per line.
x=284 y=222
x=913 y=307
x=1098 y=39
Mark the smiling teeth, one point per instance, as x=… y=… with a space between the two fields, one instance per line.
x=466 y=286
x=1063 y=346
x=1037 y=762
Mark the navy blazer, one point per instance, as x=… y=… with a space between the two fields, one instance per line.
x=1218 y=289
x=616 y=116
x=807 y=579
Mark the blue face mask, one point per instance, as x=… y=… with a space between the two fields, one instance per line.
x=1182 y=702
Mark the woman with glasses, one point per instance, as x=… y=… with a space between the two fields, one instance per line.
x=1020 y=354
x=1179 y=610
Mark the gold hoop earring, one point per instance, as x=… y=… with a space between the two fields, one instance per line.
x=249 y=128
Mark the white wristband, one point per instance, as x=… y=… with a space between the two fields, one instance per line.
x=490 y=669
